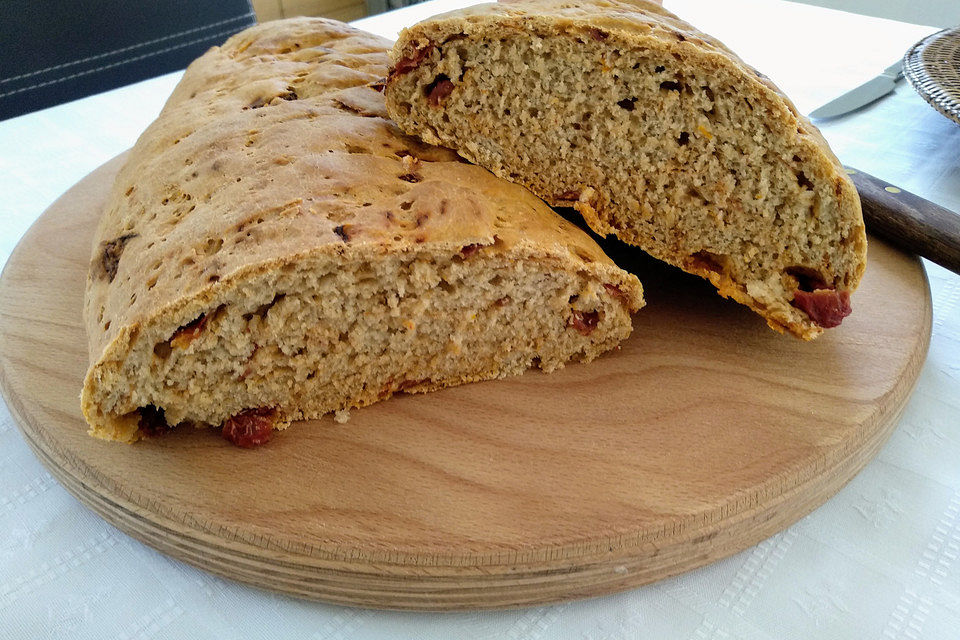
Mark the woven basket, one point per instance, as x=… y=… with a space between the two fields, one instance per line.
x=932 y=67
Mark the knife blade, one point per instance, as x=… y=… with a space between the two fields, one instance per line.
x=909 y=221
x=871 y=90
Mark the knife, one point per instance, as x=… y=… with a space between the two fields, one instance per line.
x=866 y=93
x=908 y=221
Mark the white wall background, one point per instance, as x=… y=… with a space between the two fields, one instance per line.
x=936 y=13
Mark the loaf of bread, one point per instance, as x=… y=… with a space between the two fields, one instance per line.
x=276 y=249
x=655 y=132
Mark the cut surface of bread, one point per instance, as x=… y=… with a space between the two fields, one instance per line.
x=276 y=249
x=655 y=132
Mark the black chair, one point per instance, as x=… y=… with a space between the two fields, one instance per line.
x=55 y=51
x=379 y=6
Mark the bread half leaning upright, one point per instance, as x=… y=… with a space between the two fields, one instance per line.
x=276 y=249
x=655 y=132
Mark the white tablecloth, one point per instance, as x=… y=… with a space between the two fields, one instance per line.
x=879 y=560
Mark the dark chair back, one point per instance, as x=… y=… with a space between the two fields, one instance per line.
x=53 y=51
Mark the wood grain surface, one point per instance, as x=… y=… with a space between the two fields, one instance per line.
x=703 y=435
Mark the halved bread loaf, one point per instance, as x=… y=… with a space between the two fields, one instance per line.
x=276 y=249
x=655 y=132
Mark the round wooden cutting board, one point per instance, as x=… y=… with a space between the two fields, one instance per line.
x=703 y=435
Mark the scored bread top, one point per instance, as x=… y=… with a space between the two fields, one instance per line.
x=274 y=147
x=582 y=17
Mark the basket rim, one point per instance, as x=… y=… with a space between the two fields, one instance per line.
x=939 y=85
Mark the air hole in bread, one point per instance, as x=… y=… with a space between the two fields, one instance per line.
x=110 y=255
x=808 y=279
x=696 y=194
x=704 y=260
x=152 y=421
x=262 y=311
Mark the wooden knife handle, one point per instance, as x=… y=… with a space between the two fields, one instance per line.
x=909 y=221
